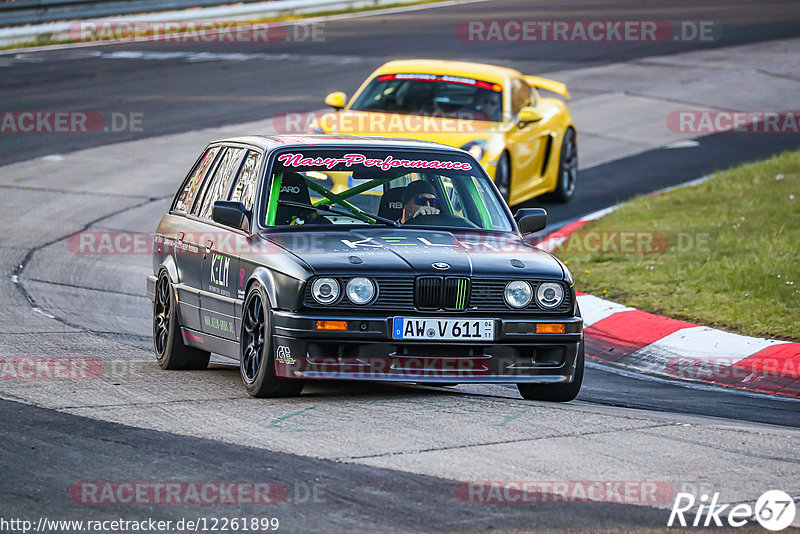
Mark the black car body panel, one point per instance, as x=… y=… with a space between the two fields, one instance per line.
x=211 y=268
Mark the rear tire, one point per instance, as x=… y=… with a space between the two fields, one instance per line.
x=567 y=169
x=557 y=392
x=171 y=352
x=257 y=351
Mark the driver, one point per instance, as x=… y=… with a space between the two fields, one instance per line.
x=419 y=198
x=488 y=104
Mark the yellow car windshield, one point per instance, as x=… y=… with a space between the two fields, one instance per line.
x=427 y=94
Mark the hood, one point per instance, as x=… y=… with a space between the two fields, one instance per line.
x=380 y=251
x=446 y=130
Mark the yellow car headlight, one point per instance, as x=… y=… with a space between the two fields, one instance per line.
x=476 y=147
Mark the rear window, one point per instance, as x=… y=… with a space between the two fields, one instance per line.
x=195 y=180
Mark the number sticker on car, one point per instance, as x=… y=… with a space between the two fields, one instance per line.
x=429 y=328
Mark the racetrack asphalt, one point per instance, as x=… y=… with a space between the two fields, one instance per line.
x=369 y=447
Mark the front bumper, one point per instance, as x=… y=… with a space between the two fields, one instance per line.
x=367 y=351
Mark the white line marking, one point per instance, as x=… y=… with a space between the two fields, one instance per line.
x=307 y=20
x=39 y=310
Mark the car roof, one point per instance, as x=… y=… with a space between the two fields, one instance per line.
x=272 y=142
x=489 y=73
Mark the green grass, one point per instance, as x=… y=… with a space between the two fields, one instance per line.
x=745 y=278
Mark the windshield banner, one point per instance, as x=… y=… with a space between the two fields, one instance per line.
x=292 y=159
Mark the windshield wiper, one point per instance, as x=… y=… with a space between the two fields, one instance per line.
x=364 y=216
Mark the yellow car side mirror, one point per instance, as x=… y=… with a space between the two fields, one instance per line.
x=527 y=116
x=336 y=100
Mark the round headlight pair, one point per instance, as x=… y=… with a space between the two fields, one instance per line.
x=518 y=294
x=359 y=290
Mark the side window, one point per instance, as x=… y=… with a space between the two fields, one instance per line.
x=195 y=180
x=520 y=95
x=220 y=185
x=247 y=183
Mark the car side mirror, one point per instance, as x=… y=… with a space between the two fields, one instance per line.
x=531 y=220
x=232 y=214
x=336 y=100
x=526 y=116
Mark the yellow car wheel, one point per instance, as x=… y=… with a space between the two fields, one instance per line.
x=502 y=176
x=567 y=168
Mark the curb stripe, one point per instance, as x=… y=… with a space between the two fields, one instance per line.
x=619 y=337
x=595 y=309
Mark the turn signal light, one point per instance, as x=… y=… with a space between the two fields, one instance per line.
x=331 y=325
x=549 y=328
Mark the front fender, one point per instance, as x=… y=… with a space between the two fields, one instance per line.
x=284 y=292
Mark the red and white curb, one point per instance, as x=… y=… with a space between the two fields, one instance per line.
x=634 y=339
x=631 y=338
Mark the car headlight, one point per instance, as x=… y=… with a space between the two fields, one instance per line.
x=477 y=148
x=518 y=294
x=549 y=295
x=325 y=290
x=360 y=290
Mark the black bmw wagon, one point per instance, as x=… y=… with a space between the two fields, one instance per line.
x=354 y=258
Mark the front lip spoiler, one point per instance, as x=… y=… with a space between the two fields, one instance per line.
x=429 y=379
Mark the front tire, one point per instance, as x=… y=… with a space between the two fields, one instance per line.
x=567 y=169
x=171 y=352
x=256 y=350
x=557 y=392
x=502 y=176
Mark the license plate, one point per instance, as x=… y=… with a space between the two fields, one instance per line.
x=430 y=328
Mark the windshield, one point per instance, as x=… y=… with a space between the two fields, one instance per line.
x=370 y=187
x=428 y=94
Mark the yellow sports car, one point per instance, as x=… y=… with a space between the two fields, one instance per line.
x=526 y=142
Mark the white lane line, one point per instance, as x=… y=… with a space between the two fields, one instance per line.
x=298 y=22
x=194 y=57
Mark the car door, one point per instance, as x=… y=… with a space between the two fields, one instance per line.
x=184 y=248
x=526 y=144
x=219 y=263
x=245 y=191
